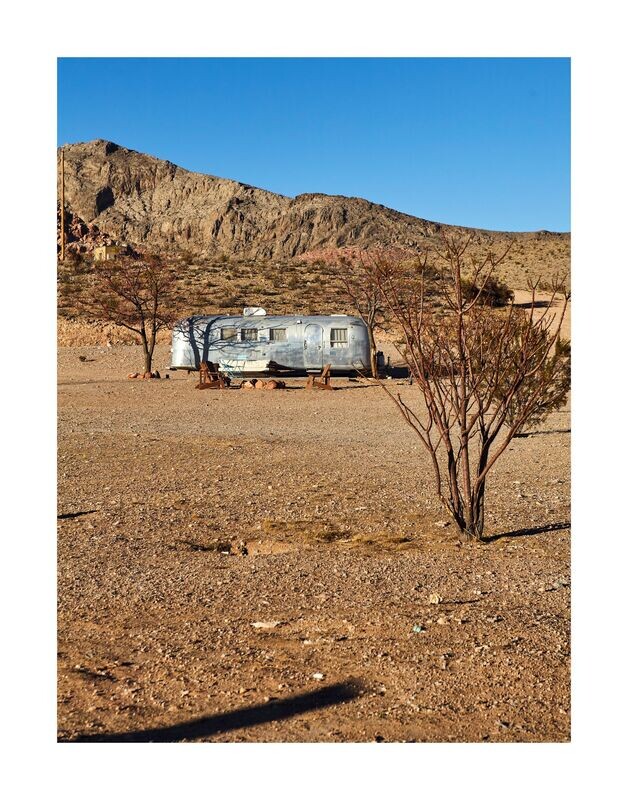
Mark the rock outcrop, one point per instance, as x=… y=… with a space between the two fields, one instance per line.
x=152 y=203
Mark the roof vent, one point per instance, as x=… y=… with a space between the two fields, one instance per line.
x=254 y=311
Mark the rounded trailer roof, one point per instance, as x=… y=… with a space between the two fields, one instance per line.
x=270 y=320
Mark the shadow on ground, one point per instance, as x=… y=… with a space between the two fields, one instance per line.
x=553 y=526
x=243 y=718
x=541 y=433
x=536 y=304
x=73 y=514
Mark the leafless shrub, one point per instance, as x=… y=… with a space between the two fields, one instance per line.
x=136 y=293
x=360 y=278
x=484 y=373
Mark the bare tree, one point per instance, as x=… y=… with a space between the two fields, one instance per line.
x=484 y=373
x=136 y=293
x=359 y=279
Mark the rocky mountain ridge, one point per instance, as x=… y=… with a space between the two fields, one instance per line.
x=151 y=203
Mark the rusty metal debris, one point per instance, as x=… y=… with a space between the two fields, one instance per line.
x=323 y=381
x=211 y=377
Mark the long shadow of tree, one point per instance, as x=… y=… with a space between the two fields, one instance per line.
x=204 y=727
x=552 y=526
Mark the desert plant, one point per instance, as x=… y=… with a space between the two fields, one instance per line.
x=135 y=293
x=492 y=292
x=360 y=281
x=229 y=301
x=484 y=373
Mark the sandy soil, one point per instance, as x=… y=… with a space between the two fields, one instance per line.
x=185 y=517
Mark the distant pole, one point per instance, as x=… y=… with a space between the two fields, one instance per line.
x=62 y=206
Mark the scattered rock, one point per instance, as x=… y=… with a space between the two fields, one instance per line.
x=434 y=599
x=265 y=626
x=189 y=609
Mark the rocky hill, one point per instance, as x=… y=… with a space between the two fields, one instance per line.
x=150 y=203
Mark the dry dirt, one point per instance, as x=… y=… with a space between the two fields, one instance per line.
x=185 y=517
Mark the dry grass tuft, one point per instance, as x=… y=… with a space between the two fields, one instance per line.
x=385 y=540
x=305 y=530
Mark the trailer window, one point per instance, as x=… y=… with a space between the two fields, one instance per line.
x=249 y=334
x=229 y=334
x=338 y=337
x=278 y=335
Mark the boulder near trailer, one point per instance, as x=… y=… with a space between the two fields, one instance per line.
x=255 y=343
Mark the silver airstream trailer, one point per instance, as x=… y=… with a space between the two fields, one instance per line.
x=255 y=343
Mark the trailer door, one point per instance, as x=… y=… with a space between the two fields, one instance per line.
x=313 y=347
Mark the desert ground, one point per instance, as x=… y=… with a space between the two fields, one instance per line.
x=258 y=566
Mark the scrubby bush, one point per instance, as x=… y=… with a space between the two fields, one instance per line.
x=229 y=301
x=491 y=293
x=484 y=374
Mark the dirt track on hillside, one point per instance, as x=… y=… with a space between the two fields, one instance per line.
x=187 y=516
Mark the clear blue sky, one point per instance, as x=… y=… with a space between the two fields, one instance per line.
x=477 y=142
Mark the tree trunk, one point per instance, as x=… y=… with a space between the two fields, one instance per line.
x=477 y=505
x=473 y=526
x=148 y=354
x=373 y=351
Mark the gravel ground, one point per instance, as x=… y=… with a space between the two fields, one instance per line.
x=185 y=517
